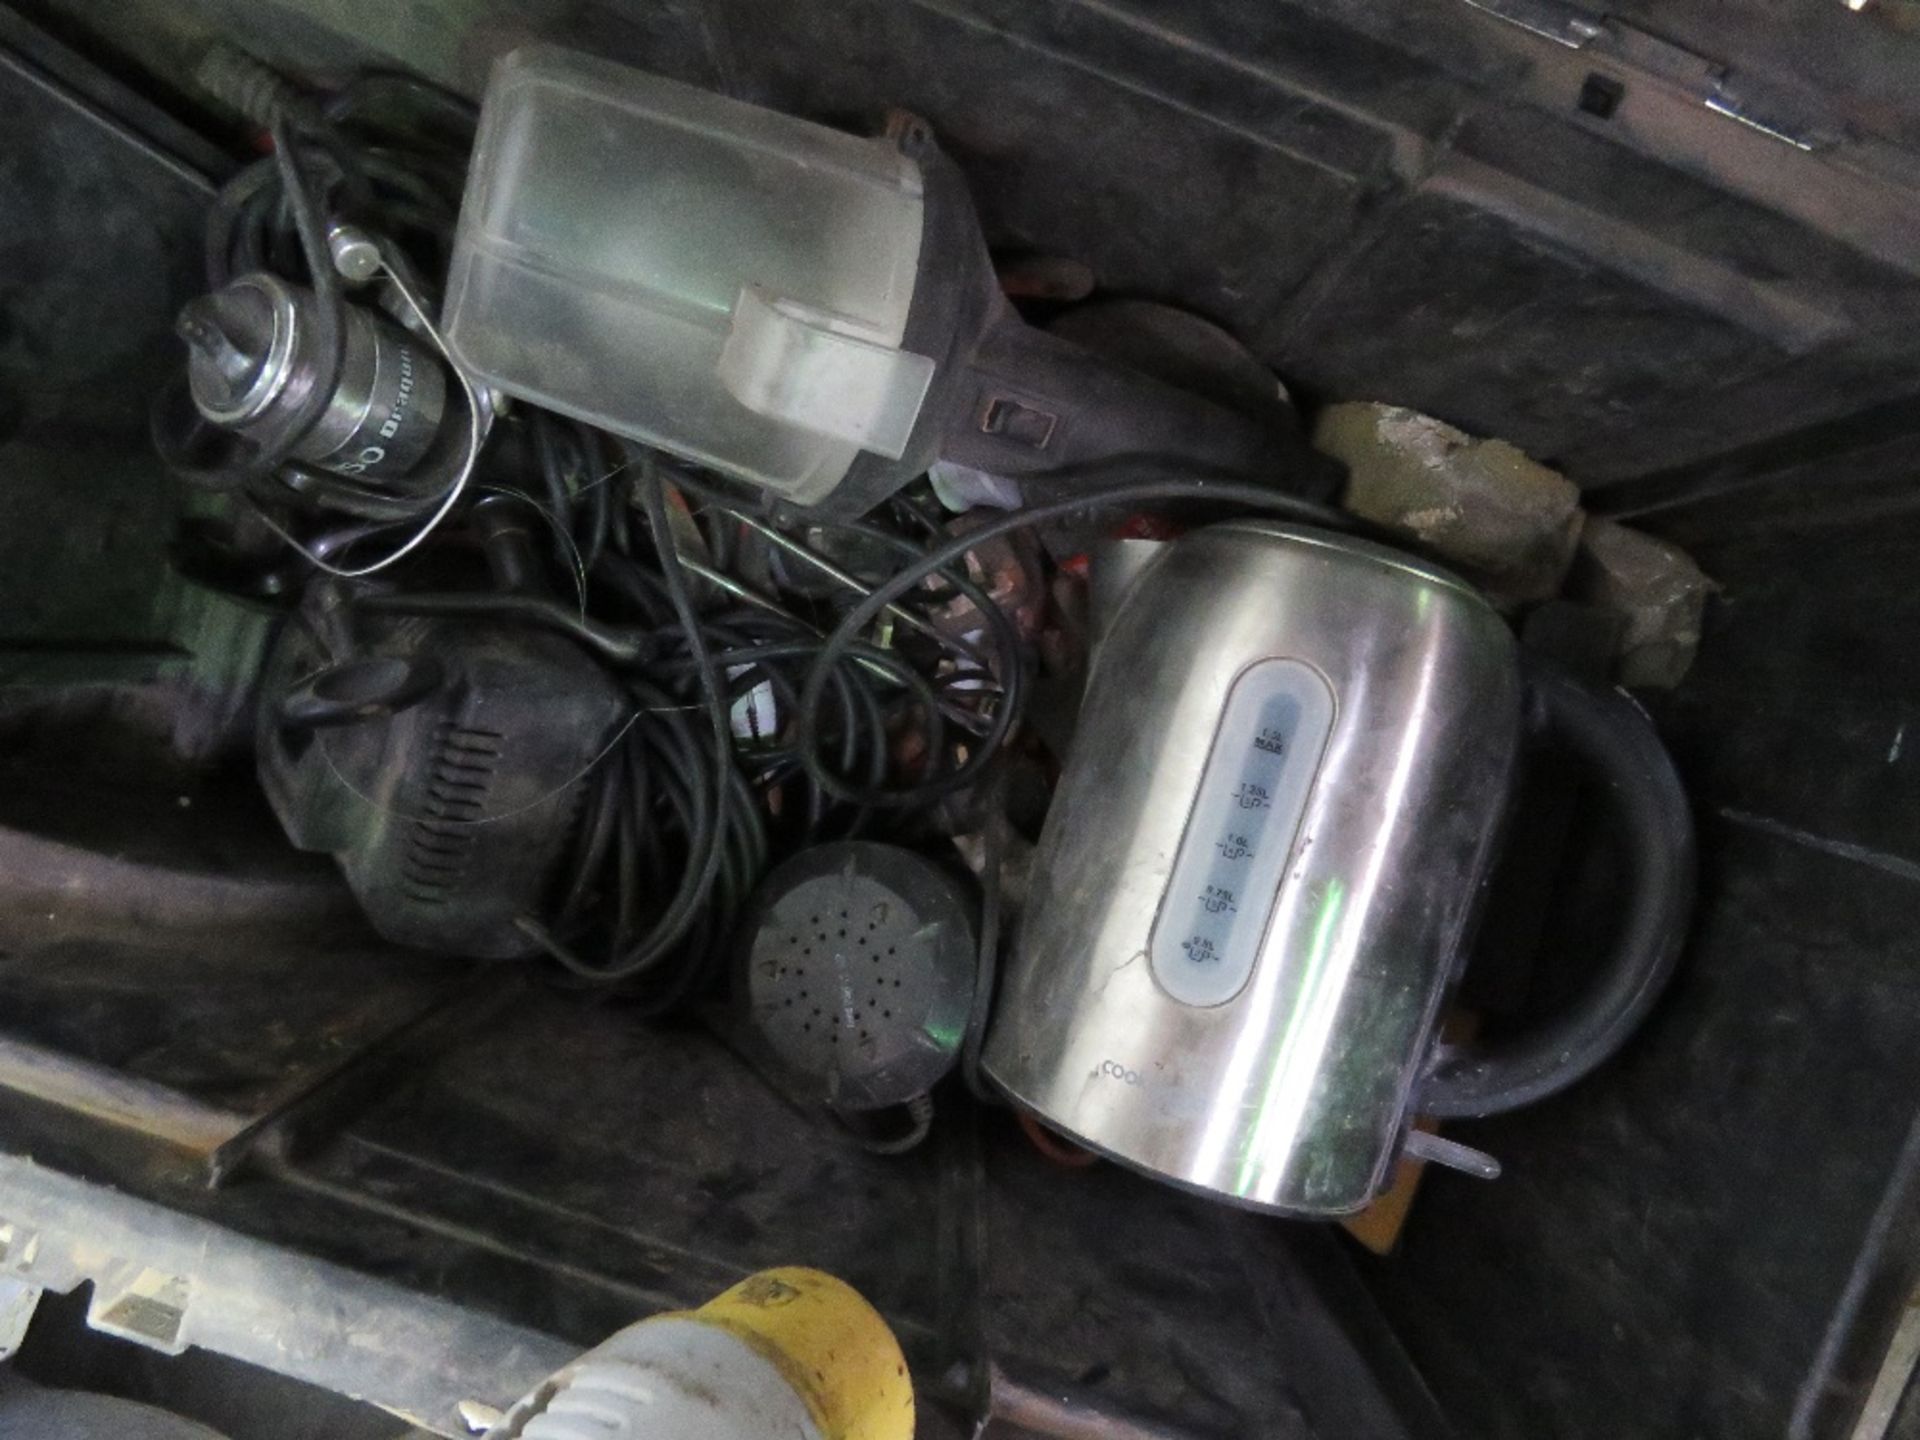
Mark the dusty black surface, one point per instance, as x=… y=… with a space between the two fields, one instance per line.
x=1673 y=1240
x=1685 y=1245
x=573 y=1169
x=98 y=243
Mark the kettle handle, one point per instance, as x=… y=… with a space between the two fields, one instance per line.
x=1612 y=734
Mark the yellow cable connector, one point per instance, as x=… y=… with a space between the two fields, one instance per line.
x=829 y=1343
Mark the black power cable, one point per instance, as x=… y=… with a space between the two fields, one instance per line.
x=671 y=816
x=941 y=559
x=833 y=665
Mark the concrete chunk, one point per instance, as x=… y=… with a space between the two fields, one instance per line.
x=1655 y=587
x=1505 y=521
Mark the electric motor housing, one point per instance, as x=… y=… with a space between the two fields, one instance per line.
x=441 y=762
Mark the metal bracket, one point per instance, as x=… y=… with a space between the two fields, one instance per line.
x=1792 y=117
x=1553 y=20
x=141 y=1303
x=171 y=1281
x=1771 y=113
x=18 y=1301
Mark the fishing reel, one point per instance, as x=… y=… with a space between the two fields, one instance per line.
x=303 y=395
x=255 y=362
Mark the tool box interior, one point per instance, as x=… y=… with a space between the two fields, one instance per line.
x=283 y=1155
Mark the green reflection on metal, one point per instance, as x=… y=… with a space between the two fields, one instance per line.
x=947 y=1037
x=1276 y=1098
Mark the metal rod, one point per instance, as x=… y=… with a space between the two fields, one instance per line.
x=828 y=568
x=169 y=1280
x=746 y=593
x=106 y=1095
x=966 y=719
x=1061 y=1413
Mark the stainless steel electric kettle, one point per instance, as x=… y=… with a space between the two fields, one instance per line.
x=1261 y=865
